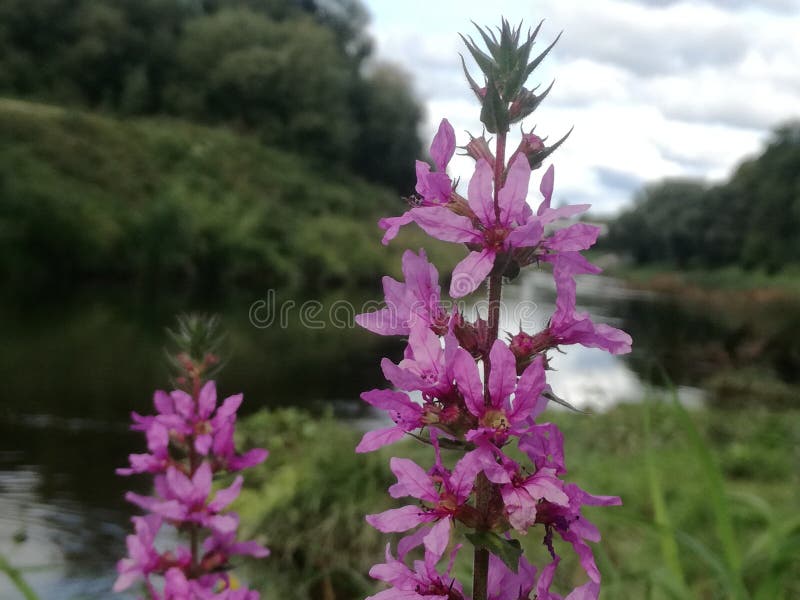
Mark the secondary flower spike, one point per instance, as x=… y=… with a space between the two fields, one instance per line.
x=460 y=388
x=190 y=440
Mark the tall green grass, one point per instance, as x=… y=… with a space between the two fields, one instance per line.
x=770 y=558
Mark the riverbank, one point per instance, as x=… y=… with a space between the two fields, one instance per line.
x=748 y=350
x=704 y=283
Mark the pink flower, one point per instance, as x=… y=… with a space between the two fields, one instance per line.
x=504 y=584
x=443 y=493
x=406 y=414
x=434 y=188
x=186 y=499
x=491 y=232
x=427 y=367
x=522 y=492
x=418 y=299
x=500 y=417
x=143 y=559
x=568 y=326
x=572 y=526
x=423 y=582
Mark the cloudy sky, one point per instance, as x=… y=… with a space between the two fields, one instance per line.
x=654 y=88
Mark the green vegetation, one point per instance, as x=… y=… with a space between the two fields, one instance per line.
x=709 y=502
x=296 y=73
x=163 y=202
x=733 y=278
x=752 y=220
x=17 y=579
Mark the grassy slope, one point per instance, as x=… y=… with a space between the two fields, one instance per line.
x=84 y=196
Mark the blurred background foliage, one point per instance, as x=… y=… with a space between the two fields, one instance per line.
x=160 y=142
x=751 y=220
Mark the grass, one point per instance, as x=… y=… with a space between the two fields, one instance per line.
x=709 y=502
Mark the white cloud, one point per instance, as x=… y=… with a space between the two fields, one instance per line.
x=654 y=88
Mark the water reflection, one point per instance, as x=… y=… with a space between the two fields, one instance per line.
x=586 y=377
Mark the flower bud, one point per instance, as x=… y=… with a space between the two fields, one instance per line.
x=478 y=148
x=525 y=347
x=473 y=337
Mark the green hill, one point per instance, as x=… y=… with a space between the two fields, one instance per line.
x=162 y=202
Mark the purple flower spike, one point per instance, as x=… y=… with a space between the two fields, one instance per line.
x=202 y=434
x=459 y=387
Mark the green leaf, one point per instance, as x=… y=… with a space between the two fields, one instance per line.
x=508 y=551
x=491 y=42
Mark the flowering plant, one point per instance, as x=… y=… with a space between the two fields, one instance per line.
x=480 y=395
x=189 y=440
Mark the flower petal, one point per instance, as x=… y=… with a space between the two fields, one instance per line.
x=470 y=272
x=503 y=374
x=469 y=382
x=392 y=226
x=373 y=440
x=443 y=145
x=399 y=519
x=412 y=480
x=512 y=196
x=479 y=193
x=444 y=224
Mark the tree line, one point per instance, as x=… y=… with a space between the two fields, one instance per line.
x=296 y=73
x=752 y=219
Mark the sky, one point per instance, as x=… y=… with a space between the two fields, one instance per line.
x=654 y=88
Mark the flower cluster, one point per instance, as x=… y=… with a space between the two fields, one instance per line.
x=189 y=440
x=479 y=394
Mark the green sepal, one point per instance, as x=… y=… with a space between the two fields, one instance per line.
x=509 y=551
x=536 y=159
x=517 y=70
x=494 y=112
x=527 y=102
x=484 y=61
x=492 y=46
x=552 y=397
x=537 y=61
x=472 y=83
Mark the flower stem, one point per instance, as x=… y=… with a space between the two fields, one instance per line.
x=483 y=494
